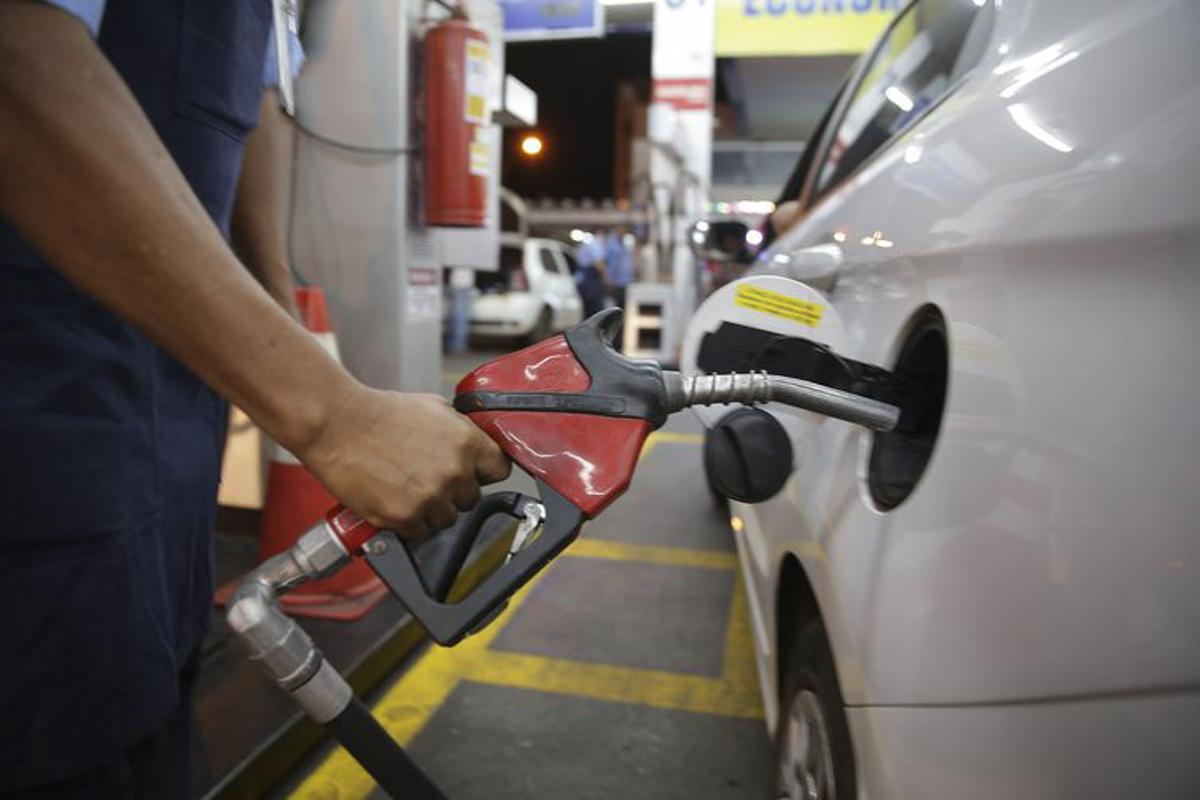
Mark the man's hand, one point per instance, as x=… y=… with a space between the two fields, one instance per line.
x=403 y=461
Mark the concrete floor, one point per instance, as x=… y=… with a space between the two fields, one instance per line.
x=624 y=670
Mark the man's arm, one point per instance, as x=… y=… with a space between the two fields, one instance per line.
x=259 y=223
x=86 y=181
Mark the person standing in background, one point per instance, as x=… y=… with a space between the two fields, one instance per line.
x=618 y=264
x=462 y=285
x=592 y=275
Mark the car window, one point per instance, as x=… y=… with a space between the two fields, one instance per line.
x=572 y=264
x=511 y=258
x=927 y=48
x=792 y=189
x=549 y=262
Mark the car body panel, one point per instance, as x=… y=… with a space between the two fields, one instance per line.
x=1049 y=206
x=1118 y=747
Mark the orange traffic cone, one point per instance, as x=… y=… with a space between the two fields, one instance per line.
x=295 y=500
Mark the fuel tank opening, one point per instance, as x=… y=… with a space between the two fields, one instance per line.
x=898 y=458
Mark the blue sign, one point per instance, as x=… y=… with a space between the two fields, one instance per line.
x=552 y=19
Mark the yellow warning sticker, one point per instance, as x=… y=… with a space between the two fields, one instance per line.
x=475 y=74
x=779 y=305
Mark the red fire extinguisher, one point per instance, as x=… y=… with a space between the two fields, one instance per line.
x=457 y=157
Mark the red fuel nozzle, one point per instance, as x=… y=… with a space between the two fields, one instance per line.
x=574 y=414
x=351 y=529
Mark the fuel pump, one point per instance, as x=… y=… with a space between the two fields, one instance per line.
x=574 y=414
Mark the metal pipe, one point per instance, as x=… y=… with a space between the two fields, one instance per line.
x=759 y=387
x=273 y=639
x=289 y=658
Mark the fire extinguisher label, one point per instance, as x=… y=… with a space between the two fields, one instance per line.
x=480 y=153
x=476 y=72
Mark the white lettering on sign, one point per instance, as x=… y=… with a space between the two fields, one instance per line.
x=685 y=94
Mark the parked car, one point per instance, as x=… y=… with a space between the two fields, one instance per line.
x=1006 y=602
x=531 y=296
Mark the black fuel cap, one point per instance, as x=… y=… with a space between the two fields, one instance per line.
x=748 y=455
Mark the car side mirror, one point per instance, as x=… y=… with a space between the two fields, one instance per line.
x=724 y=239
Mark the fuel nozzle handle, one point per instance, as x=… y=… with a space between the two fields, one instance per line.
x=758 y=387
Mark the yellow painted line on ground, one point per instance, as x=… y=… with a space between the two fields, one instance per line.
x=644 y=687
x=651 y=554
x=669 y=437
x=408 y=705
x=738 y=669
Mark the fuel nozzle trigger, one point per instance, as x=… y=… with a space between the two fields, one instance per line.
x=425 y=588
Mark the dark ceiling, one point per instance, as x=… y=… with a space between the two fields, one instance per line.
x=774 y=99
x=575 y=81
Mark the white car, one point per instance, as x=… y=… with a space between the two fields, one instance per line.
x=1005 y=601
x=531 y=296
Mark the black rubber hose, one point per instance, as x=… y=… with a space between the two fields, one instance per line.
x=386 y=762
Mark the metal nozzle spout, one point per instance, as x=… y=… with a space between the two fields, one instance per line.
x=759 y=387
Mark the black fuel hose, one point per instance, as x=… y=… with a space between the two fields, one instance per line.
x=370 y=745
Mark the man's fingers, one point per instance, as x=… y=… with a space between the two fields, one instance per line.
x=440 y=514
x=466 y=494
x=491 y=465
x=410 y=530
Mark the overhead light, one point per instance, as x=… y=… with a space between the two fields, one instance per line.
x=577 y=235
x=899 y=98
x=754 y=207
x=1025 y=120
x=754 y=237
x=532 y=145
x=839 y=236
x=877 y=239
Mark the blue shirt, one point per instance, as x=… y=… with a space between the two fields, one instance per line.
x=591 y=251
x=112 y=448
x=91 y=12
x=617 y=260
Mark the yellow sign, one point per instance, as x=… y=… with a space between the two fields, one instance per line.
x=778 y=304
x=800 y=27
